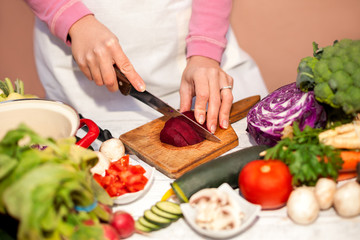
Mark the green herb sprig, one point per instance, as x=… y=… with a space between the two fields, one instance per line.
x=306 y=157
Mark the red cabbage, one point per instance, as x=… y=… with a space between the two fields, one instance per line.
x=267 y=119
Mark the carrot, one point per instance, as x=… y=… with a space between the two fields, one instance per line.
x=348 y=170
x=346 y=175
x=351 y=159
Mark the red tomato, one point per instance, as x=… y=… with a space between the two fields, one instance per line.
x=266 y=182
x=121 y=178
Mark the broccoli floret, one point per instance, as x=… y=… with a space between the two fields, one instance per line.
x=340 y=81
x=335 y=64
x=351 y=103
x=322 y=71
x=350 y=67
x=323 y=93
x=334 y=75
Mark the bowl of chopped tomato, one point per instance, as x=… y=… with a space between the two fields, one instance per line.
x=126 y=179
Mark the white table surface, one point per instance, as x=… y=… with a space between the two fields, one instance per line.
x=272 y=224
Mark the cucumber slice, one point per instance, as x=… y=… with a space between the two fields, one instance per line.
x=141 y=228
x=164 y=214
x=169 y=207
x=148 y=224
x=156 y=219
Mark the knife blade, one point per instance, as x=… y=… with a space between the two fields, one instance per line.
x=156 y=103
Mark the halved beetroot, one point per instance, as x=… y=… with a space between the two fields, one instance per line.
x=178 y=132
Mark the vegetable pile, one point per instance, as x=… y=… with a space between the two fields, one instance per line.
x=9 y=92
x=50 y=191
x=305 y=203
x=333 y=74
x=268 y=118
x=307 y=158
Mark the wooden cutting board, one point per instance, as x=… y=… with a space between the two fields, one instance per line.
x=145 y=143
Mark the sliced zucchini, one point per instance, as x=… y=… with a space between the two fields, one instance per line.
x=156 y=219
x=148 y=224
x=169 y=207
x=212 y=174
x=141 y=228
x=164 y=214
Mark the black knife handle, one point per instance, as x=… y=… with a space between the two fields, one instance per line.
x=124 y=83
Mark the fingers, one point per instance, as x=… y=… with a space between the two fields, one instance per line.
x=96 y=49
x=226 y=102
x=202 y=90
x=210 y=97
x=187 y=92
x=128 y=70
x=204 y=78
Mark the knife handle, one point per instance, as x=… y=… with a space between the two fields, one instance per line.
x=124 y=83
x=240 y=109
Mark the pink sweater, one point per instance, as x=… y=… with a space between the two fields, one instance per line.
x=207 y=29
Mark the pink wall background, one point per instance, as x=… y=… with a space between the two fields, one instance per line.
x=277 y=34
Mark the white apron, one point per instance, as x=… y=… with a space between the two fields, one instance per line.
x=152 y=34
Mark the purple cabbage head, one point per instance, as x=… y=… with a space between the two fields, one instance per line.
x=267 y=119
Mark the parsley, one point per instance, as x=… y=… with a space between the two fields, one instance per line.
x=306 y=157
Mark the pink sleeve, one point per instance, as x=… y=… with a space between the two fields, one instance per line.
x=208 y=26
x=59 y=15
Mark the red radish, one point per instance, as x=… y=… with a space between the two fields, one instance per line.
x=110 y=232
x=124 y=223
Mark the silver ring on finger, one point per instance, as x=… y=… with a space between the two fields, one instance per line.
x=226 y=87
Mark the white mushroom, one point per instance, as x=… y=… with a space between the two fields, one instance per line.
x=347 y=199
x=302 y=206
x=324 y=191
x=102 y=164
x=113 y=149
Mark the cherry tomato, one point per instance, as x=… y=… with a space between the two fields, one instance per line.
x=266 y=182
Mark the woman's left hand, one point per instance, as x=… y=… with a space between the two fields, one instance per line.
x=212 y=87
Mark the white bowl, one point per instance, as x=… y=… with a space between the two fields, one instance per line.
x=46 y=117
x=130 y=197
x=250 y=210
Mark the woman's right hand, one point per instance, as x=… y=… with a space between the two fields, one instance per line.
x=96 y=49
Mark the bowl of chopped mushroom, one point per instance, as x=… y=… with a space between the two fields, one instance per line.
x=219 y=212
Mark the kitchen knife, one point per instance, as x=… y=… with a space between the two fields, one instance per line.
x=154 y=102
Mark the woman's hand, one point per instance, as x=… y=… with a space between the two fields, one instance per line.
x=204 y=79
x=96 y=49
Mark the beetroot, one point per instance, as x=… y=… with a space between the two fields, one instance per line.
x=179 y=133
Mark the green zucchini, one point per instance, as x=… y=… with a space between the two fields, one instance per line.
x=141 y=228
x=156 y=219
x=212 y=174
x=169 y=207
x=148 y=224
x=164 y=214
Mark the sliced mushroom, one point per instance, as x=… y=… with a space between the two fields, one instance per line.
x=216 y=210
x=207 y=194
